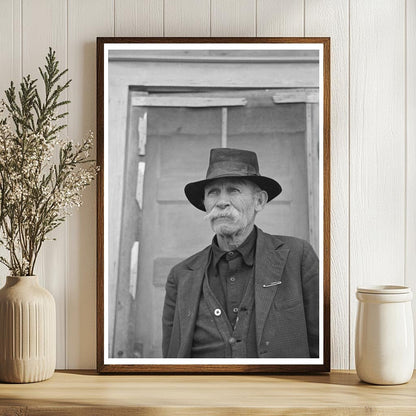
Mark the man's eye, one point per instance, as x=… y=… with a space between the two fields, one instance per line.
x=212 y=192
x=235 y=190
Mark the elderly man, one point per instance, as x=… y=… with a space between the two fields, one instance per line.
x=249 y=294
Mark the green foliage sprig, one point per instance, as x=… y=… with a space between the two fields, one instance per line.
x=41 y=175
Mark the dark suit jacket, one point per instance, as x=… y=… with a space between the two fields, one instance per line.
x=287 y=314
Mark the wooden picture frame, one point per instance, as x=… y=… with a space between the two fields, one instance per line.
x=161 y=104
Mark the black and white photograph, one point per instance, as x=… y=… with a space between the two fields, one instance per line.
x=213 y=213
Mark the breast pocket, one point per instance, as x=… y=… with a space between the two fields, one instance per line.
x=285 y=304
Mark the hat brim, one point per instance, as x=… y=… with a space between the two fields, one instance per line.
x=194 y=191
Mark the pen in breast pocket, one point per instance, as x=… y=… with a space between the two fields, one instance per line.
x=273 y=284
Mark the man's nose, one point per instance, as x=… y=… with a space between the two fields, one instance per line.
x=223 y=201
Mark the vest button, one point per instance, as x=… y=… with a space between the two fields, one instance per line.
x=217 y=312
x=232 y=279
x=232 y=340
x=235 y=310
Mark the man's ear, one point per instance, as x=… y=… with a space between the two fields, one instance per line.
x=260 y=200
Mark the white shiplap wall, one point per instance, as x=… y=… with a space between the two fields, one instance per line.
x=373 y=132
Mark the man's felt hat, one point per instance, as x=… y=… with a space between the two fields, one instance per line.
x=231 y=163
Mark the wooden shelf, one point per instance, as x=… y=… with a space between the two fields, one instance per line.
x=86 y=393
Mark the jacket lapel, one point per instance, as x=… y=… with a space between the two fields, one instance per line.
x=188 y=300
x=271 y=258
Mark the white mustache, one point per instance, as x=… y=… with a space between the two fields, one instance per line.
x=215 y=213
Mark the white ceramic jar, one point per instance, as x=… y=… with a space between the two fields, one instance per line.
x=384 y=338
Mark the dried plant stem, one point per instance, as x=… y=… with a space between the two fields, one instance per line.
x=36 y=194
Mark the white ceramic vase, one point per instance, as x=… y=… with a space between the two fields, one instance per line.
x=384 y=340
x=27 y=331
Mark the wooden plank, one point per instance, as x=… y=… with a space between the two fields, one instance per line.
x=410 y=279
x=142 y=131
x=210 y=54
x=141 y=221
x=129 y=234
x=85 y=21
x=10 y=44
x=6 y=75
x=280 y=18
x=214 y=56
x=224 y=124
x=169 y=122
x=10 y=67
x=140 y=183
x=86 y=393
x=377 y=143
x=243 y=75
x=138 y=17
x=134 y=257
x=175 y=101
x=331 y=18
x=316 y=221
x=233 y=18
x=187 y=18
x=304 y=95
x=117 y=123
x=44 y=24
x=312 y=156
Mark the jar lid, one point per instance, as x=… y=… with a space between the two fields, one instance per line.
x=384 y=289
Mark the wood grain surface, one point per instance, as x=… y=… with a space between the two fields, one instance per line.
x=51 y=265
x=138 y=17
x=330 y=18
x=377 y=141
x=339 y=393
x=280 y=18
x=233 y=17
x=410 y=260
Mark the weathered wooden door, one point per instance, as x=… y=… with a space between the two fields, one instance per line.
x=170 y=137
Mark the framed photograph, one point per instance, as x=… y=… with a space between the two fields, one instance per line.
x=213 y=205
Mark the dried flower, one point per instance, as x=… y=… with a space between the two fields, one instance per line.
x=42 y=176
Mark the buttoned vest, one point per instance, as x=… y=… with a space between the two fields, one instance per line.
x=215 y=336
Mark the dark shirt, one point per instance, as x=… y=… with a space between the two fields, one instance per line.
x=229 y=273
x=214 y=337
x=225 y=325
